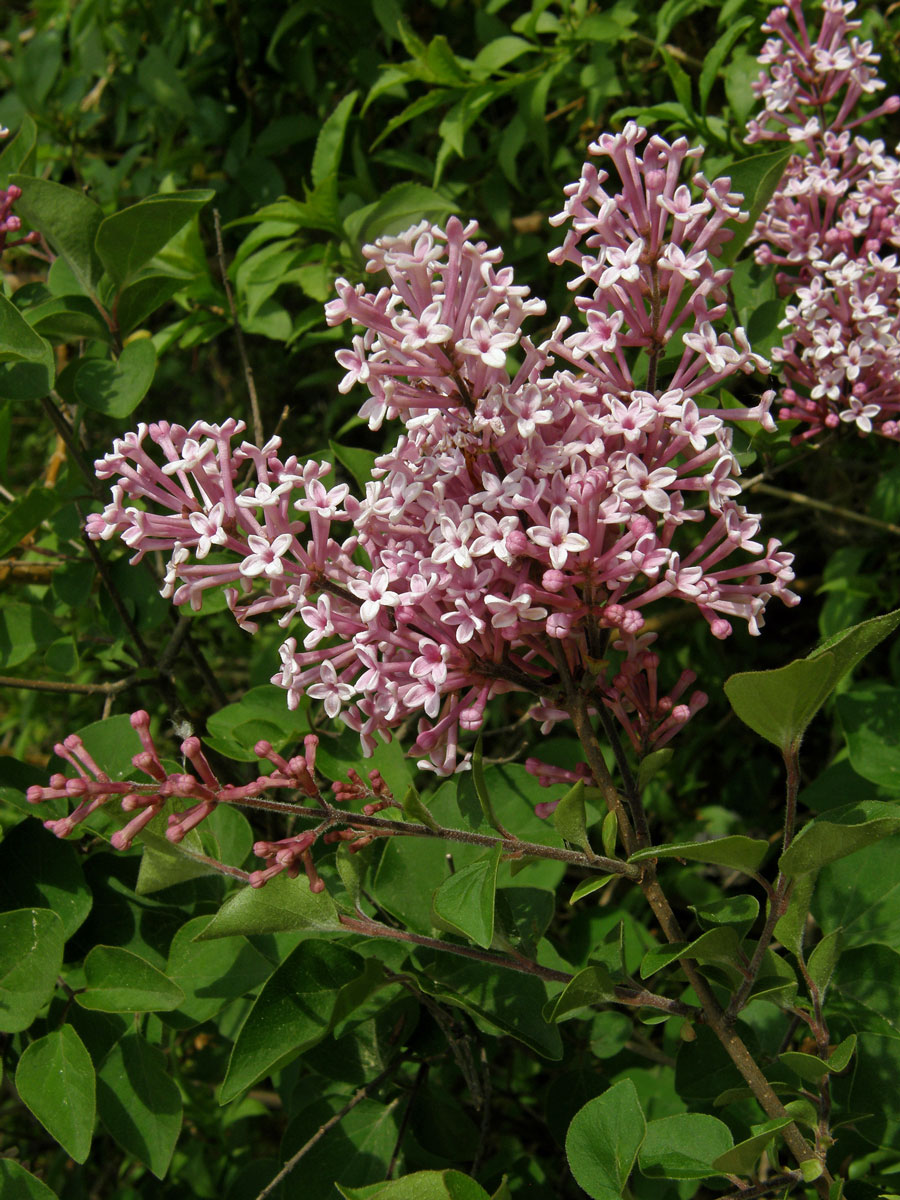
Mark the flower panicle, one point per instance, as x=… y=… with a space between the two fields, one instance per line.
x=833 y=225
x=535 y=502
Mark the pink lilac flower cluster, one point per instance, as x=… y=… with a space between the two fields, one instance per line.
x=513 y=537
x=833 y=226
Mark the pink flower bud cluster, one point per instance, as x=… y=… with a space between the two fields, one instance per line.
x=92 y=788
x=9 y=222
x=833 y=225
x=529 y=513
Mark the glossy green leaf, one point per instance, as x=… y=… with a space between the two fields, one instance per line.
x=464 y=902
x=399 y=207
x=120 y=981
x=810 y=1068
x=128 y=239
x=870 y=718
x=139 y=1103
x=570 y=819
x=604 y=1139
x=282 y=906
x=742 y=1159
x=39 y=870
x=18 y=1184
x=756 y=178
x=738 y=852
x=69 y=221
x=683 y=1146
x=780 y=704
x=117 y=388
x=27 y=366
x=593 y=985
x=211 y=974
x=716 y=57
x=31 y=952
x=292 y=1013
x=55 y=1079
x=330 y=142
x=838 y=833
x=421 y=1185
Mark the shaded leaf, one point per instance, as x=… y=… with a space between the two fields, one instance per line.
x=464 y=902
x=120 y=981
x=55 y=1079
x=139 y=1103
x=31 y=952
x=738 y=852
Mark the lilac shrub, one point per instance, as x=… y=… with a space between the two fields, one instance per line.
x=833 y=226
x=515 y=535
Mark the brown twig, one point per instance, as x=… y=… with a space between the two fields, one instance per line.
x=50 y=685
x=833 y=510
x=357 y=1097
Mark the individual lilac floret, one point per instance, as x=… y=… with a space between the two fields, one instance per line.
x=538 y=498
x=833 y=225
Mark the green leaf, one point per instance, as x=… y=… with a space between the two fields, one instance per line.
x=840 y=1057
x=683 y=1146
x=867 y=981
x=68 y=318
x=681 y=81
x=822 y=961
x=495 y=55
x=738 y=852
x=652 y=764
x=740 y=912
x=422 y=1185
x=330 y=142
x=721 y=944
x=400 y=207
x=68 y=220
x=742 y=1159
x=464 y=903
x=55 y=1079
x=144 y=296
x=790 y=929
x=589 y=886
x=861 y=895
x=39 y=870
x=810 y=1068
x=414 y=810
x=604 y=1139
x=780 y=704
x=119 y=981
x=211 y=974
x=756 y=179
x=18 y=1184
x=27 y=367
x=570 y=820
x=593 y=985
x=716 y=56
x=128 y=239
x=18 y=154
x=31 y=952
x=139 y=1103
x=357 y=461
x=505 y=1000
x=24 y=629
x=117 y=388
x=870 y=718
x=282 y=906
x=609 y=832
x=26 y=512
x=839 y=832
x=292 y=1013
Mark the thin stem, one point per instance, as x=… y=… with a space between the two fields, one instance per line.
x=238 y=333
x=578 y=711
x=511 y=849
x=833 y=510
x=421 y=1076
x=632 y=792
x=52 y=685
x=355 y=1099
x=763 y=1189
